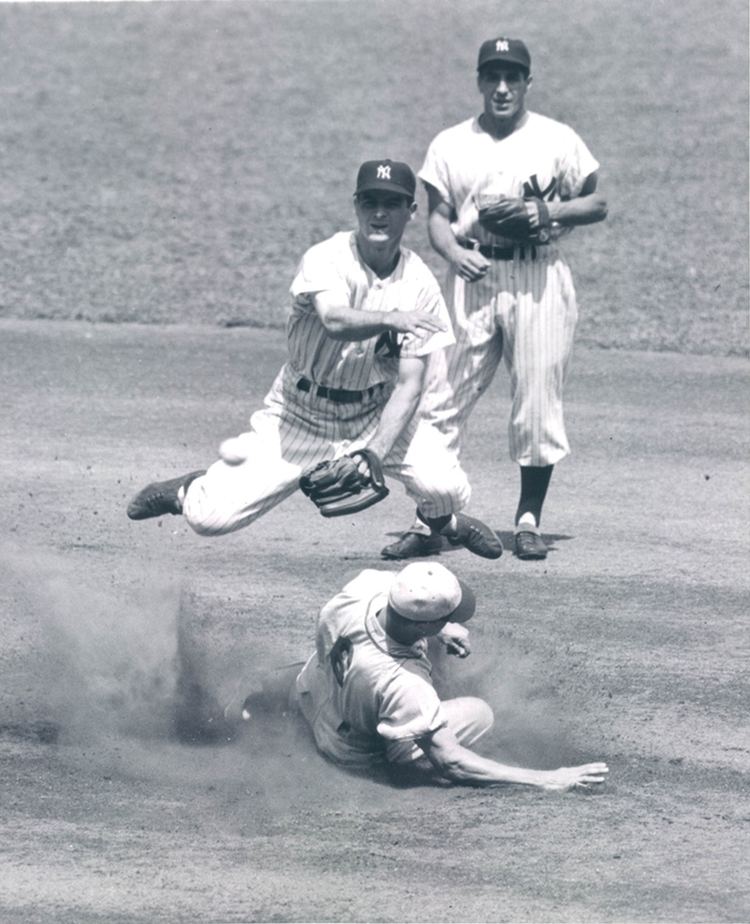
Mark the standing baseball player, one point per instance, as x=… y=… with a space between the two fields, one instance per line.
x=366 y=315
x=367 y=692
x=503 y=190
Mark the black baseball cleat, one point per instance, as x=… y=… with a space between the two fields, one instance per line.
x=160 y=497
x=413 y=545
x=475 y=536
x=529 y=545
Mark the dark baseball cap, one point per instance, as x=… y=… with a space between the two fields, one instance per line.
x=387 y=175
x=505 y=50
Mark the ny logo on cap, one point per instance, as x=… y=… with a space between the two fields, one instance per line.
x=384 y=172
x=502 y=45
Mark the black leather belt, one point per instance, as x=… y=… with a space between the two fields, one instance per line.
x=501 y=253
x=338 y=395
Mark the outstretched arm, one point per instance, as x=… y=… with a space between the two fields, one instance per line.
x=342 y=322
x=401 y=405
x=461 y=765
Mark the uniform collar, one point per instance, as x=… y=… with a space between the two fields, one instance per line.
x=380 y=638
x=369 y=270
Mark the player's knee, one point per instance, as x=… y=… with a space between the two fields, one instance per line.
x=469 y=717
x=203 y=528
x=458 y=489
x=451 y=486
x=207 y=519
x=482 y=715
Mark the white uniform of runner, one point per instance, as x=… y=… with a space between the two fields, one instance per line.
x=298 y=428
x=524 y=309
x=386 y=699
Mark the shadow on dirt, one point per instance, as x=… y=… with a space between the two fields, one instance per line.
x=40 y=731
x=506 y=536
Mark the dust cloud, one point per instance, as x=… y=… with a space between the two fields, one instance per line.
x=140 y=685
x=143 y=684
x=531 y=728
x=85 y=660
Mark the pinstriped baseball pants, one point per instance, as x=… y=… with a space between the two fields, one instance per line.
x=296 y=430
x=525 y=312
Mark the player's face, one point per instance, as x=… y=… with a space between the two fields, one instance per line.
x=428 y=629
x=410 y=630
x=503 y=89
x=382 y=216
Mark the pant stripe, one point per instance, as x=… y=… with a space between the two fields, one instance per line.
x=296 y=430
x=524 y=311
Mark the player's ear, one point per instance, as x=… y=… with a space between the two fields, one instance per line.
x=412 y=210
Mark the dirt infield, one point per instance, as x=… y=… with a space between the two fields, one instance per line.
x=167 y=164
x=627 y=644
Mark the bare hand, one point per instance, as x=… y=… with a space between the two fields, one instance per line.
x=470 y=265
x=582 y=777
x=363 y=468
x=456 y=639
x=415 y=322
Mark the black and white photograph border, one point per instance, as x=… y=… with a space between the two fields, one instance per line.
x=166 y=167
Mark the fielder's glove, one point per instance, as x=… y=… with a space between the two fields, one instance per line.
x=337 y=487
x=522 y=220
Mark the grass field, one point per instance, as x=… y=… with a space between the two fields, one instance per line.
x=170 y=162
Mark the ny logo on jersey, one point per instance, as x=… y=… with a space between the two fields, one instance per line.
x=532 y=189
x=384 y=172
x=387 y=344
x=502 y=45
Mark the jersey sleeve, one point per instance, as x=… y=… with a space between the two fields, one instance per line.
x=576 y=165
x=319 y=271
x=434 y=170
x=428 y=298
x=409 y=708
x=342 y=611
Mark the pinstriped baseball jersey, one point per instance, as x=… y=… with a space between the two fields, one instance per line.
x=524 y=309
x=298 y=428
x=542 y=159
x=334 y=265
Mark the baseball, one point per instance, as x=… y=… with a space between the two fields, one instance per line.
x=234 y=450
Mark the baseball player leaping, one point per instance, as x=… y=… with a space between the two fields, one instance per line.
x=503 y=188
x=366 y=316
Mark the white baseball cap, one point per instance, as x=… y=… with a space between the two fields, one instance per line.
x=425 y=591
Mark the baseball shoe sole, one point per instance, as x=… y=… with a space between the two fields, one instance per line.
x=160 y=497
x=476 y=536
x=529 y=546
x=413 y=545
